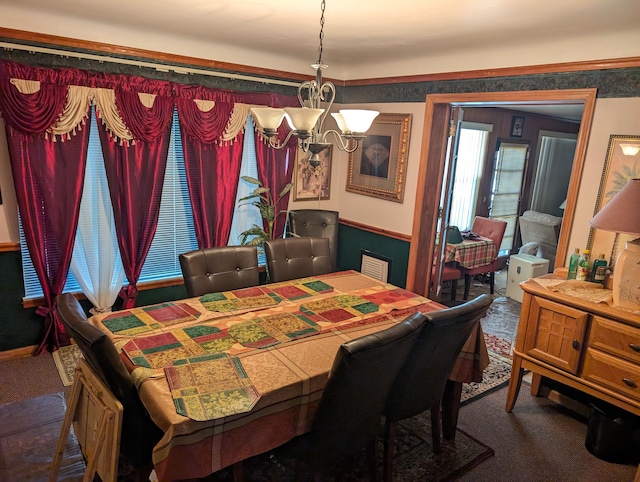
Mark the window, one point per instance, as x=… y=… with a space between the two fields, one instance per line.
x=506 y=188
x=175 y=233
x=472 y=152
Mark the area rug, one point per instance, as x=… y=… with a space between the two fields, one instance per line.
x=414 y=459
x=29 y=432
x=494 y=377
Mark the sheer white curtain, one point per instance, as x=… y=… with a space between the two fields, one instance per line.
x=247 y=215
x=96 y=263
x=472 y=152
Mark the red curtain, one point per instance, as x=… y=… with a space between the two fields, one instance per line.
x=49 y=175
x=135 y=173
x=275 y=170
x=48 y=178
x=212 y=169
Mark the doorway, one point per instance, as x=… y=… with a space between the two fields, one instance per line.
x=432 y=165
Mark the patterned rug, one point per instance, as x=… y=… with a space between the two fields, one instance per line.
x=494 y=377
x=414 y=459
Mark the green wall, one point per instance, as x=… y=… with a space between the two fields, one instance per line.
x=352 y=240
x=20 y=327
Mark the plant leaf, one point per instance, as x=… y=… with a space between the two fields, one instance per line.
x=251 y=180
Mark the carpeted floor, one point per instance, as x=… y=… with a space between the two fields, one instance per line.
x=29 y=431
x=415 y=460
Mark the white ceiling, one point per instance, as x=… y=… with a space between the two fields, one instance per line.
x=357 y=32
x=363 y=38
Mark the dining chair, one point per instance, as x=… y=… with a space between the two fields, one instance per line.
x=290 y=258
x=138 y=433
x=223 y=268
x=351 y=405
x=318 y=223
x=494 y=230
x=421 y=381
x=449 y=273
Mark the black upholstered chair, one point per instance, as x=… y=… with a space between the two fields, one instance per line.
x=291 y=258
x=139 y=434
x=223 y=268
x=421 y=381
x=350 y=409
x=317 y=223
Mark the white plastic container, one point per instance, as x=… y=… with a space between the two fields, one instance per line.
x=521 y=268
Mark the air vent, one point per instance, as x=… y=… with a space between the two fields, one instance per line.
x=375 y=265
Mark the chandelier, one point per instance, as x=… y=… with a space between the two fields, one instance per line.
x=306 y=122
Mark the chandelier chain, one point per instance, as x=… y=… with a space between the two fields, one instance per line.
x=322 y=6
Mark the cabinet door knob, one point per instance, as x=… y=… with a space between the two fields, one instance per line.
x=575 y=344
x=634 y=347
x=629 y=383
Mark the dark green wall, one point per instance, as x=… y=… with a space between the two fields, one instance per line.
x=352 y=240
x=20 y=327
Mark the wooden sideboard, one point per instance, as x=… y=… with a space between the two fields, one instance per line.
x=591 y=347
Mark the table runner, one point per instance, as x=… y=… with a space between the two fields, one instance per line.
x=149 y=318
x=210 y=387
x=262 y=329
x=259 y=296
x=130 y=323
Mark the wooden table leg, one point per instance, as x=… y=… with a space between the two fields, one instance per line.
x=450 y=409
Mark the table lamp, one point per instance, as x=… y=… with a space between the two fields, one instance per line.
x=622 y=216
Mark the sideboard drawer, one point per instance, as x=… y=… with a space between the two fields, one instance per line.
x=615 y=338
x=614 y=373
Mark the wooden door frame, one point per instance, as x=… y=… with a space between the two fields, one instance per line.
x=432 y=155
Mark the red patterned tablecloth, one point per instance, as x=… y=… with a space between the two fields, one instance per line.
x=276 y=379
x=471 y=253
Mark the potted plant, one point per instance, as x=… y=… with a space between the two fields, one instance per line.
x=262 y=198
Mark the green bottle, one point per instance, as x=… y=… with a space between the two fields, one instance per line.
x=573 y=264
x=599 y=270
x=583 y=266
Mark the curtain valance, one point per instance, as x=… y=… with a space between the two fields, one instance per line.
x=41 y=107
x=132 y=109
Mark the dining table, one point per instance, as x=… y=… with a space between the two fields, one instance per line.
x=230 y=375
x=471 y=253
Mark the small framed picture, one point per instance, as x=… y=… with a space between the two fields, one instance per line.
x=312 y=183
x=517 y=124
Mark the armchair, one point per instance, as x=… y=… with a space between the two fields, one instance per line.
x=540 y=233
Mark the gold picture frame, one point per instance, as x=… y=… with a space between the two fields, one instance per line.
x=620 y=166
x=311 y=183
x=378 y=167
